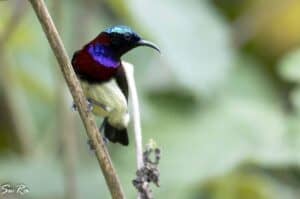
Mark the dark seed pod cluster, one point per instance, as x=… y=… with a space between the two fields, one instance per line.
x=148 y=173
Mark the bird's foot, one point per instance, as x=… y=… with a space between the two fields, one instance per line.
x=92 y=146
x=105 y=140
x=74 y=107
x=90 y=106
x=101 y=130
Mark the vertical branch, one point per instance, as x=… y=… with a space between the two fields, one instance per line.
x=147 y=170
x=128 y=68
x=101 y=152
x=135 y=113
x=65 y=122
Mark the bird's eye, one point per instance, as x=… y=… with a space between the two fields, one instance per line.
x=127 y=36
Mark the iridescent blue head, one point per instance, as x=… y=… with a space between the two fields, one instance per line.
x=100 y=59
x=123 y=39
x=112 y=43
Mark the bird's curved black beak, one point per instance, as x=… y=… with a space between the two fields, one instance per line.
x=147 y=43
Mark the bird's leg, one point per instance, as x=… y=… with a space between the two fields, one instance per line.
x=101 y=131
x=90 y=106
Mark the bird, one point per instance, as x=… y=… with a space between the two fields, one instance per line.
x=99 y=68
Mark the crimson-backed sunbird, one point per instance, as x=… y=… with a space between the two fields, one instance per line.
x=99 y=68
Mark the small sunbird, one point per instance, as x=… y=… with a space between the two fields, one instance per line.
x=99 y=68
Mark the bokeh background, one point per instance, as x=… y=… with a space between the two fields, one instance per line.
x=222 y=101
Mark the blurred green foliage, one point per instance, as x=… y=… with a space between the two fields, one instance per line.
x=210 y=102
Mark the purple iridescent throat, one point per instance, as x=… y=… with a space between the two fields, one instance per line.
x=103 y=55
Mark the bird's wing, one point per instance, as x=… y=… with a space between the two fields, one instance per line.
x=122 y=81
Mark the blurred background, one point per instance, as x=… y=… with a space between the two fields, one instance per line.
x=222 y=101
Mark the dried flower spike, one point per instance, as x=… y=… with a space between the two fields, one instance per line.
x=149 y=172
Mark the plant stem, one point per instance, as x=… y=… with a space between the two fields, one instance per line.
x=129 y=72
x=101 y=152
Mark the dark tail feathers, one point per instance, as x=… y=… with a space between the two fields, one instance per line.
x=115 y=135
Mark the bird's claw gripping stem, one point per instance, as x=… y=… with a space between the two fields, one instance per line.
x=74 y=107
x=90 y=106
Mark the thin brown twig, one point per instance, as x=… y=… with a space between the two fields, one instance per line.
x=57 y=46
